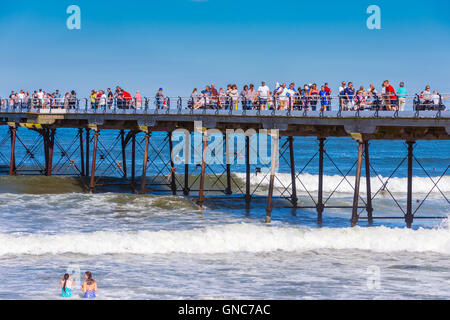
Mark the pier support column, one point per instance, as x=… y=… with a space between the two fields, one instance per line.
x=248 y=197
x=94 y=158
x=173 y=185
x=187 y=160
x=369 y=207
x=80 y=132
x=355 y=216
x=133 y=158
x=228 y=164
x=273 y=168
x=144 y=165
x=44 y=133
x=201 y=196
x=124 y=153
x=294 y=198
x=51 y=143
x=12 y=161
x=88 y=140
x=186 y=178
x=409 y=217
x=320 y=205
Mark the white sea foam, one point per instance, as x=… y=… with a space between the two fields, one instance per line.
x=395 y=185
x=230 y=238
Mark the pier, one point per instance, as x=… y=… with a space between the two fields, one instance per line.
x=91 y=158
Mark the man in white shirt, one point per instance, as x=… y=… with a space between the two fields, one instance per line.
x=291 y=95
x=21 y=96
x=263 y=95
x=341 y=95
x=40 y=96
x=282 y=93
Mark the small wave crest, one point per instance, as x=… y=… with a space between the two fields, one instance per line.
x=230 y=238
x=310 y=182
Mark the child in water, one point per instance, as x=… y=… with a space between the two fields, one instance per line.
x=66 y=286
x=89 y=287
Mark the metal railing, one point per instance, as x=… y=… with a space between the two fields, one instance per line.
x=281 y=105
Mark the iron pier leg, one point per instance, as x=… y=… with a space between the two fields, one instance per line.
x=228 y=189
x=51 y=143
x=369 y=207
x=355 y=215
x=83 y=172
x=88 y=131
x=320 y=205
x=186 y=178
x=144 y=165
x=248 y=197
x=294 y=198
x=94 y=157
x=273 y=167
x=187 y=159
x=124 y=154
x=201 y=196
x=133 y=158
x=228 y=166
x=409 y=217
x=44 y=133
x=173 y=185
x=12 y=162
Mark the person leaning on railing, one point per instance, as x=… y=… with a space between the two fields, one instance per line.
x=401 y=94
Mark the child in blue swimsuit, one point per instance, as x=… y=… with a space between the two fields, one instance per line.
x=66 y=286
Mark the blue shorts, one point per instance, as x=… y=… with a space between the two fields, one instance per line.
x=262 y=101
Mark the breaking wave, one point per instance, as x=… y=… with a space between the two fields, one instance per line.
x=310 y=181
x=230 y=238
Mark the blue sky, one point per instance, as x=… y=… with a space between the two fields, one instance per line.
x=181 y=44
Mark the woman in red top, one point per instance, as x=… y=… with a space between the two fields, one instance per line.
x=391 y=97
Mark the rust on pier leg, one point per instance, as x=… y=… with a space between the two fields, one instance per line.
x=369 y=207
x=144 y=165
x=12 y=161
x=94 y=156
x=355 y=216
x=294 y=198
x=273 y=168
x=409 y=217
x=201 y=195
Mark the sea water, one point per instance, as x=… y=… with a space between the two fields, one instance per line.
x=159 y=246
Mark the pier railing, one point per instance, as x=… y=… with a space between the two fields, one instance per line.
x=234 y=105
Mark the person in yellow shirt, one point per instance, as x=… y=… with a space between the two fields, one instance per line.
x=93 y=97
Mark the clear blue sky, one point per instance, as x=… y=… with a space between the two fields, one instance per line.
x=181 y=44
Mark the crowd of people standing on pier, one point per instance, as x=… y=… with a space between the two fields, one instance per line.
x=97 y=99
x=311 y=97
x=281 y=97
